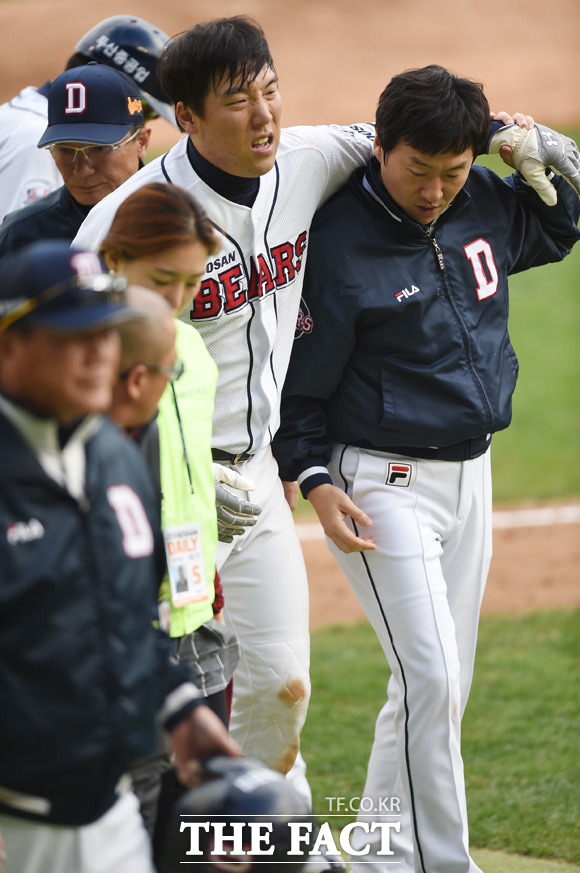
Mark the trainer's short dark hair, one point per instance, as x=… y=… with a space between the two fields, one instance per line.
x=433 y=111
x=234 y=49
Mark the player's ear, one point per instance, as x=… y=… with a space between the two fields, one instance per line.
x=378 y=150
x=186 y=117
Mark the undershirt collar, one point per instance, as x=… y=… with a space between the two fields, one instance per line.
x=234 y=188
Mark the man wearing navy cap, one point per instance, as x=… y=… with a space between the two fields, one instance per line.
x=124 y=42
x=96 y=136
x=83 y=674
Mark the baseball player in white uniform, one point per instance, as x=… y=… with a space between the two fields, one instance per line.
x=26 y=172
x=246 y=314
x=123 y=42
x=260 y=186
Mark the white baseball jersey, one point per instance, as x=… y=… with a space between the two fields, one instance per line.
x=26 y=172
x=248 y=304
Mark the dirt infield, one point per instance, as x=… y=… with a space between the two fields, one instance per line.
x=333 y=58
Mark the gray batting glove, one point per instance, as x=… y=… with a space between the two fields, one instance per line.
x=536 y=150
x=234 y=515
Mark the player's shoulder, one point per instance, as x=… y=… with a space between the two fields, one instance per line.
x=153 y=171
x=484 y=182
x=28 y=100
x=324 y=136
x=342 y=214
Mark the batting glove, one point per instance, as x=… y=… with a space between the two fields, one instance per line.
x=536 y=150
x=234 y=516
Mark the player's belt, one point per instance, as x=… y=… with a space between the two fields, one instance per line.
x=218 y=455
x=463 y=451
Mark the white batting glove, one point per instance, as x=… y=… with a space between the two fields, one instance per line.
x=536 y=150
x=234 y=516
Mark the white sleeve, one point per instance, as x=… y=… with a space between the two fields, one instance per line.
x=343 y=148
x=27 y=173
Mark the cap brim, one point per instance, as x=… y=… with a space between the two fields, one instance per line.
x=99 y=134
x=85 y=318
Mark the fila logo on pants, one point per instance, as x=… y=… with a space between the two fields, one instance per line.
x=399 y=474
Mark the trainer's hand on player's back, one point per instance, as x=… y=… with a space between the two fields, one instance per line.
x=332 y=507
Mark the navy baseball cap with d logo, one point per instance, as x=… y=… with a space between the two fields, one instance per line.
x=49 y=285
x=93 y=104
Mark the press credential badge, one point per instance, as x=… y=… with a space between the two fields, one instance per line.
x=185 y=564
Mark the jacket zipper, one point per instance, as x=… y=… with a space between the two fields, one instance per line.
x=477 y=380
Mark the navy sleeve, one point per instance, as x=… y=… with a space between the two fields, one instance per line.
x=542 y=234
x=319 y=356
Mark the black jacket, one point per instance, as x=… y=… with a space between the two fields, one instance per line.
x=82 y=671
x=402 y=340
x=56 y=216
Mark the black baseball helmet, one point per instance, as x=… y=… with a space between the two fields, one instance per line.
x=247 y=792
x=133 y=45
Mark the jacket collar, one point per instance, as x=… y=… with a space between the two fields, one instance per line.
x=370 y=180
x=65 y=464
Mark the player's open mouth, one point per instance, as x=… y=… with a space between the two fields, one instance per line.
x=263 y=144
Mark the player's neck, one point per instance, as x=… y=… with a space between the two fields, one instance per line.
x=234 y=188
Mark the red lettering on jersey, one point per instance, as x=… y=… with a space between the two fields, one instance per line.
x=261 y=281
x=226 y=290
x=283 y=256
x=265 y=281
x=300 y=248
x=208 y=302
x=254 y=289
x=234 y=296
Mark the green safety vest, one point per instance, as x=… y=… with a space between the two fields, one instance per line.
x=195 y=393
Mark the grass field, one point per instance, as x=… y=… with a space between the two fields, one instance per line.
x=520 y=732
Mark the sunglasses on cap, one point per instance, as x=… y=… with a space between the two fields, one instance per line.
x=81 y=292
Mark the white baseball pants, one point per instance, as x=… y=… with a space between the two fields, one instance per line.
x=266 y=603
x=117 y=841
x=421 y=591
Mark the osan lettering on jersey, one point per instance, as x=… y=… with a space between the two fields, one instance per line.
x=399 y=474
x=229 y=285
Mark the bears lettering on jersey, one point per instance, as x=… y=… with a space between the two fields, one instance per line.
x=228 y=287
